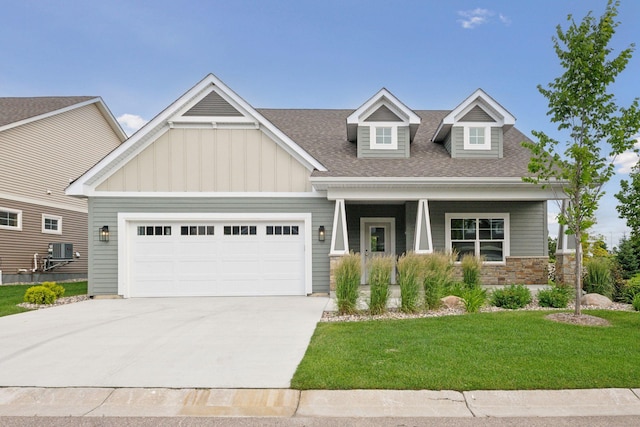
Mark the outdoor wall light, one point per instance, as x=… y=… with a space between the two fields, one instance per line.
x=321 y=233
x=103 y=233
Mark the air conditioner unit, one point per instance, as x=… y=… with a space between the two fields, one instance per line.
x=61 y=251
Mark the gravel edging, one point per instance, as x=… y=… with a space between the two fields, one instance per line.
x=396 y=314
x=59 y=301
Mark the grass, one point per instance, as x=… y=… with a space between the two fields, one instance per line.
x=486 y=351
x=11 y=295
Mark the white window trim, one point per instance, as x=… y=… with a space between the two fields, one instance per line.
x=15 y=211
x=506 y=249
x=487 y=136
x=54 y=217
x=394 y=136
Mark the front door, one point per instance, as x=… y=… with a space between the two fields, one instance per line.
x=377 y=237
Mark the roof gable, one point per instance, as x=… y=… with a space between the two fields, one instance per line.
x=210 y=103
x=382 y=104
x=18 y=111
x=479 y=106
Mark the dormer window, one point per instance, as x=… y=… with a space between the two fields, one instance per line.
x=385 y=137
x=477 y=137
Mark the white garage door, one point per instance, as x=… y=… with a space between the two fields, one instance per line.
x=216 y=258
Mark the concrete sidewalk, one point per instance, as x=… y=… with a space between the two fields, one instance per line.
x=287 y=403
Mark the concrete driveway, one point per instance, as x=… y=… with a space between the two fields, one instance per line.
x=244 y=342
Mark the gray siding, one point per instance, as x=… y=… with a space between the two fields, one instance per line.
x=213 y=105
x=456 y=145
x=355 y=212
x=383 y=114
x=103 y=268
x=364 y=145
x=477 y=114
x=527 y=223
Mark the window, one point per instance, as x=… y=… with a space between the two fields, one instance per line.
x=484 y=235
x=279 y=230
x=154 y=230
x=197 y=230
x=10 y=219
x=477 y=137
x=384 y=137
x=240 y=230
x=51 y=224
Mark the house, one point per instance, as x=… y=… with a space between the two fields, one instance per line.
x=45 y=143
x=216 y=197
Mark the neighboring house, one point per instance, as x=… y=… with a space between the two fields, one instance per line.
x=45 y=143
x=216 y=197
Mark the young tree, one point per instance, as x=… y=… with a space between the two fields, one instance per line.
x=587 y=114
x=629 y=198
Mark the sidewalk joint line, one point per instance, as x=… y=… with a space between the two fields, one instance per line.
x=295 y=411
x=466 y=402
x=635 y=394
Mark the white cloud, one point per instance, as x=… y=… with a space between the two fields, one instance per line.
x=131 y=122
x=504 y=19
x=473 y=18
x=627 y=160
x=479 y=16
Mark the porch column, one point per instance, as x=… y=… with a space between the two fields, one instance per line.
x=423 y=240
x=565 y=253
x=339 y=241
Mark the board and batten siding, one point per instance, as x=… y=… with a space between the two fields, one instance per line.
x=47 y=154
x=103 y=271
x=19 y=246
x=364 y=145
x=211 y=160
x=528 y=223
x=455 y=145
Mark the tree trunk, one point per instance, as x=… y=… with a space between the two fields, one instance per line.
x=578 y=272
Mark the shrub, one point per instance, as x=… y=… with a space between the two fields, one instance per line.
x=39 y=295
x=636 y=302
x=511 y=297
x=474 y=298
x=437 y=277
x=471 y=266
x=347 y=276
x=631 y=289
x=380 y=270
x=409 y=278
x=555 y=296
x=55 y=288
x=598 y=278
x=455 y=288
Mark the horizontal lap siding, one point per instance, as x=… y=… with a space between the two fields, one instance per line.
x=364 y=144
x=355 y=212
x=457 y=145
x=17 y=247
x=48 y=153
x=527 y=223
x=103 y=272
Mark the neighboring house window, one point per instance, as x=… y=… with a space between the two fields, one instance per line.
x=10 y=219
x=384 y=137
x=477 y=138
x=483 y=235
x=51 y=224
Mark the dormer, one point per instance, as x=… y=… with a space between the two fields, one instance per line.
x=383 y=127
x=475 y=128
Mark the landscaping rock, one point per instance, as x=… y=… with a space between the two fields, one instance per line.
x=452 y=302
x=596 y=300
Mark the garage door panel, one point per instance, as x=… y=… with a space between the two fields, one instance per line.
x=218 y=258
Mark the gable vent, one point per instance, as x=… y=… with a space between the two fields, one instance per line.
x=383 y=114
x=213 y=105
x=477 y=114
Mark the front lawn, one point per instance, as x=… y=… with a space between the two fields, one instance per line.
x=517 y=350
x=11 y=295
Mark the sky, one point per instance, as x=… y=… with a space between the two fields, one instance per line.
x=140 y=56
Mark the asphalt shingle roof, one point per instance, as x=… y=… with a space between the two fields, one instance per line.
x=323 y=134
x=16 y=109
